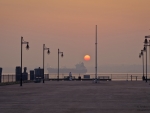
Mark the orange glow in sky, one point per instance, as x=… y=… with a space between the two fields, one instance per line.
x=70 y=26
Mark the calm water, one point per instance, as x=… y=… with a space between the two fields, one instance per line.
x=114 y=76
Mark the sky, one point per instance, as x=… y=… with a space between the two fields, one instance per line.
x=70 y=26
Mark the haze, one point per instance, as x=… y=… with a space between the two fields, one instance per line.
x=70 y=26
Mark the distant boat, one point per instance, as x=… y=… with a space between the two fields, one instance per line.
x=80 y=68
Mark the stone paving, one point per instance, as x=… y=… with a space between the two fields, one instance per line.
x=76 y=97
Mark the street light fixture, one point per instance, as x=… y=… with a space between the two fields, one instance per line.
x=48 y=52
x=142 y=54
x=58 y=62
x=27 y=47
x=146 y=43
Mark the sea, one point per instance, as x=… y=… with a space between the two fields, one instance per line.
x=10 y=77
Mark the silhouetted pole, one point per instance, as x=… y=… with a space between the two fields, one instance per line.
x=21 y=62
x=27 y=47
x=143 y=62
x=145 y=49
x=43 y=61
x=142 y=54
x=146 y=44
x=58 y=66
x=58 y=62
x=44 y=48
x=96 y=57
x=146 y=63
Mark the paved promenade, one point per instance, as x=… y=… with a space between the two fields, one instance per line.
x=76 y=97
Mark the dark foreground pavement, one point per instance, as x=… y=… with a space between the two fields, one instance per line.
x=76 y=97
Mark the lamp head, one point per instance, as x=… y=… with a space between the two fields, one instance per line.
x=27 y=47
x=48 y=52
x=62 y=54
x=145 y=41
x=147 y=36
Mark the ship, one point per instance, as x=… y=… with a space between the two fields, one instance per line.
x=79 y=69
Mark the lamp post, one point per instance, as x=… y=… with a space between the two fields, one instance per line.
x=27 y=47
x=145 y=49
x=58 y=62
x=48 y=52
x=142 y=54
x=96 y=56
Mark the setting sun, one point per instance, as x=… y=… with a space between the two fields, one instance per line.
x=87 y=57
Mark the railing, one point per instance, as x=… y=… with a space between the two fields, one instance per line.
x=12 y=78
x=113 y=76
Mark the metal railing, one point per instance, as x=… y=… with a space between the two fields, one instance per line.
x=112 y=76
x=12 y=78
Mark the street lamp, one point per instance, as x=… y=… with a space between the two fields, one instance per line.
x=48 y=52
x=27 y=47
x=58 y=62
x=145 y=49
x=142 y=54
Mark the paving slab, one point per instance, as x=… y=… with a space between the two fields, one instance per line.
x=76 y=97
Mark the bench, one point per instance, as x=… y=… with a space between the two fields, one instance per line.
x=86 y=76
x=106 y=78
x=133 y=76
x=67 y=77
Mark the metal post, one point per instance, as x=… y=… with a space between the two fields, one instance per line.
x=43 y=61
x=143 y=63
x=58 y=65
x=146 y=63
x=96 y=57
x=21 y=63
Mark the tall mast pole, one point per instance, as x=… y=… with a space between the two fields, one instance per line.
x=96 y=57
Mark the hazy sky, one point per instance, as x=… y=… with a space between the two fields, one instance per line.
x=70 y=26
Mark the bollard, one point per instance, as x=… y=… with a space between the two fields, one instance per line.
x=131 y=77
x=136 y=78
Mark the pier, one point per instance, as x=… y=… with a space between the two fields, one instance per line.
x=76 y=97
